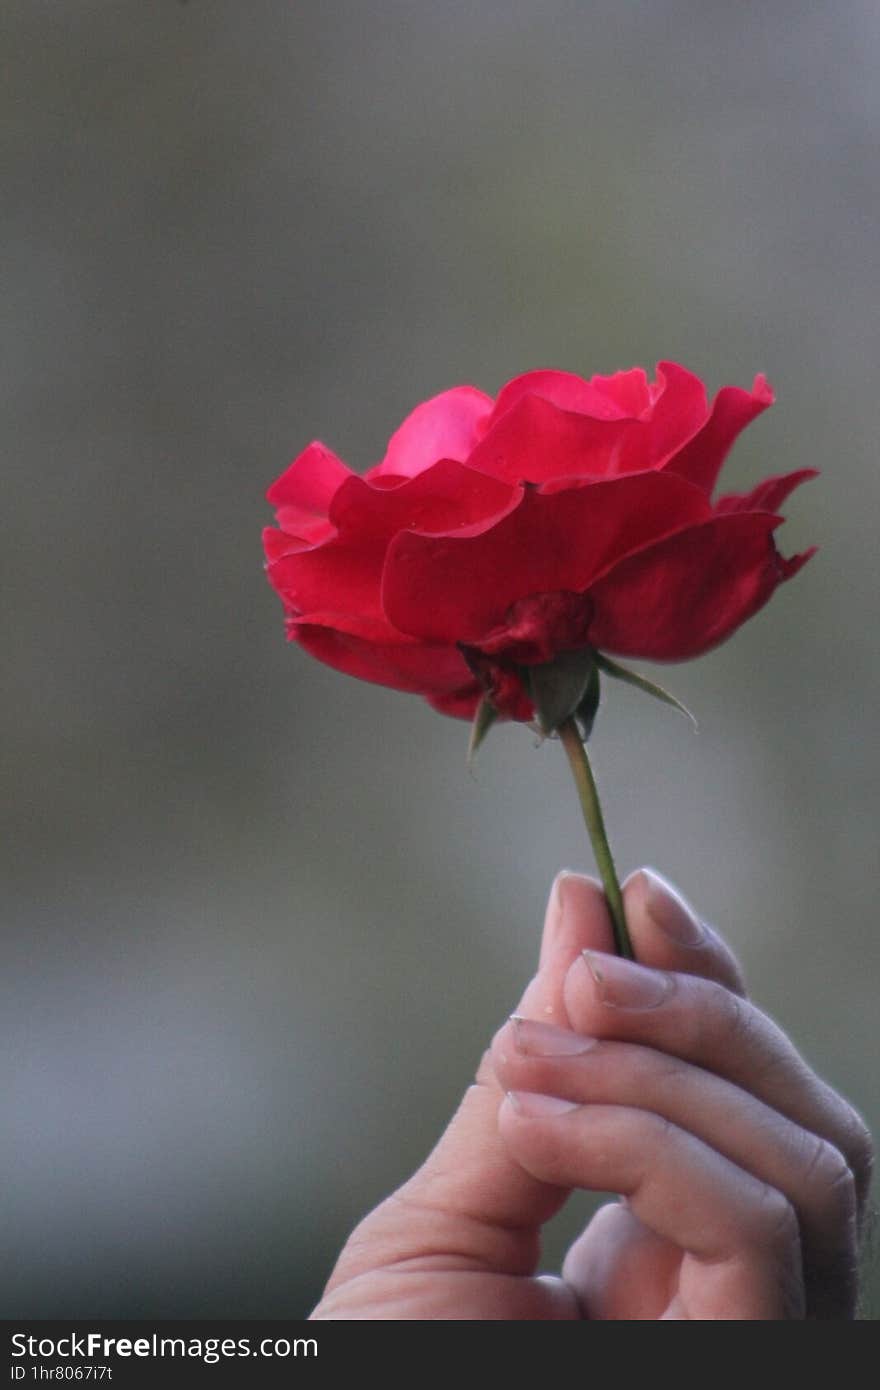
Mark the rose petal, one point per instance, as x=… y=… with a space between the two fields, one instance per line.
x=506 y=692
x=346 y=571
x=679 y=411
x=447 y=497
x=630 y=390
x=278 y=543
x=732 y=410
x=415 y=667
x=452 y=589
x=536 y=440
x=344 y=575
x=303 y=493
x=768 y=496
x=310 y=480
x=689 y=592
x=794 y=563
x=445 y=427
x=461 y=704
x=540 y=626
x=618 y=397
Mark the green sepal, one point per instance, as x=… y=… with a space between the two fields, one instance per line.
x=483 y=720
x=585 y=714
x=558 y=687
x=642 y=683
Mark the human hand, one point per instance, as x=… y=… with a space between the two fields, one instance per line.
x=743 y=1175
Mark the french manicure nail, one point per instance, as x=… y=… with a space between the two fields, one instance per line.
x=534 y=1039
x=538 y=1107
x=622 y=984
x=669 y=911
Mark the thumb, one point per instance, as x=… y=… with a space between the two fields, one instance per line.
x=470 y=1199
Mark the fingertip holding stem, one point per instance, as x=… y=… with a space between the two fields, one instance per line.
x=669 y=911
x=624 y=984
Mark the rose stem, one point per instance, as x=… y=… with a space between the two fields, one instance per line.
x=589 y=799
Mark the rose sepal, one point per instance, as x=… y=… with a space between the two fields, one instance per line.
x=586 y=712
x=558 y=688
x=484 y=718
x=622 y=673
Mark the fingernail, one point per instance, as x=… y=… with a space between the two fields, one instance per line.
x=535 y=1039
x=669 y=911
x=622 y=984
x=554 y=914
x=537 y=1107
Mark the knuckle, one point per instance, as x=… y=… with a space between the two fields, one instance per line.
x=723 y=1019
x=735 y=1013
x=663 y=1133
x=775 y=1218
x=832 y=1179
x=858 y=1145
x=657 y=1072
x=728 y=966
x=742 y=1028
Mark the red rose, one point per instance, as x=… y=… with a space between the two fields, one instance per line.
x=496 y=535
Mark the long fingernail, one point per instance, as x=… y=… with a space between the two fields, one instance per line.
x=535 y=1039
x=538 y=1107
x=669 y=911
x=624 y=985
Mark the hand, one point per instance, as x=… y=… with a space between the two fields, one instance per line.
x=743 y=1176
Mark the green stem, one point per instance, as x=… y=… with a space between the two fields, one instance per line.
x=589 y=799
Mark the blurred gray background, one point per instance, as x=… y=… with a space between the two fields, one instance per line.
x=258 y=920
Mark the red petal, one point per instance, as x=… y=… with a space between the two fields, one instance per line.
x=794 y=563
x=629 y=390
x=732 y=410
x=461 y=704
x=448 y=496
x=415 y=667
x=343 y=574
x=277 y=543
x=333 y=577
x=603 y=398
x=445 y=427
x=689 y=592
x=679 y=410
x=453 y=589
x=767 y=496
x=311 y=480
x=303 y=493
x=538 y=440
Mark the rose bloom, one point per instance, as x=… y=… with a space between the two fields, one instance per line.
x=496 y=535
